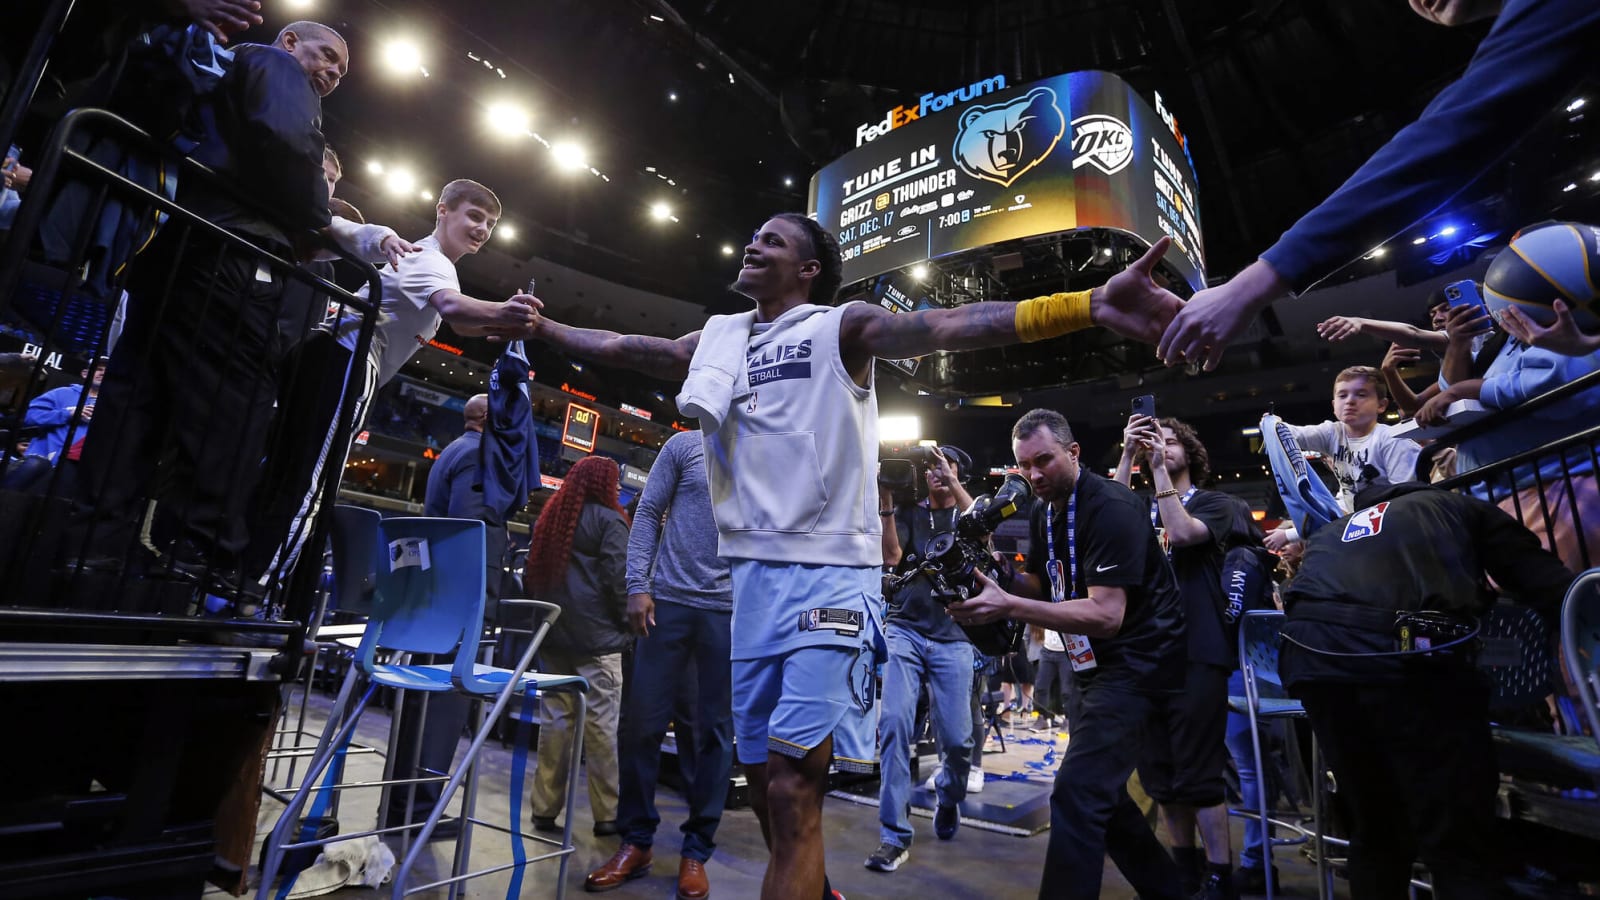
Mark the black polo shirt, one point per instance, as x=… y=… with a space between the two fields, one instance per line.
x=1116 y=547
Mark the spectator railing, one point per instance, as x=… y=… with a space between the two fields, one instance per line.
x=1499 y=480
x=61 y=310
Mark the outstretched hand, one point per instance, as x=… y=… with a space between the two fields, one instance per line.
x=1132 y=304
x=223 y=18
x=1215 y=317
x=1562 y=336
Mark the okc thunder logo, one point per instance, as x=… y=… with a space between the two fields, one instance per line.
x=1101 y=141
x=999 y=143
x=1364 y=524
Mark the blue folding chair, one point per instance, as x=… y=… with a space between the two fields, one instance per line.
x=354 y=539
x=1265 y=700
x=429 y=599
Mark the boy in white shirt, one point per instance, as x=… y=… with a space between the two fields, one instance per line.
x=419 y=291
x=1355 y=438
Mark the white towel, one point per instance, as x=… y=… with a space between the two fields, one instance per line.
x=718 y=372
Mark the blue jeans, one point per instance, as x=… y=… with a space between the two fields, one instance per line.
x=683 y=637
x=947 y=665
x=1251 y=855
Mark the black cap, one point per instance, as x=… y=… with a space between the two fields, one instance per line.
x=962 y=461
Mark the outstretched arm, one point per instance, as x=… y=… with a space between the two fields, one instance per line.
x=661 y=357
x=1131 y=304
x=1339 y=328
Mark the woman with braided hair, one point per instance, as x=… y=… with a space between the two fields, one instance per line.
x=578 y=561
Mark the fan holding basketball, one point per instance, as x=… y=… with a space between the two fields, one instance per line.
x=1545 y=287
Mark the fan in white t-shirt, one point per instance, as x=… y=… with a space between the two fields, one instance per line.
x=1354 y=439
x=423 y=289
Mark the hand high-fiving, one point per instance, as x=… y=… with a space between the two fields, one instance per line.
x=1132 y=304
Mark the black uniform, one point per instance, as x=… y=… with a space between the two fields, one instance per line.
x=1091 y=815
x=1408 y=737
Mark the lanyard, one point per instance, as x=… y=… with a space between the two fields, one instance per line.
x=1072 y=538
x=1155 y=518
x=933 y=530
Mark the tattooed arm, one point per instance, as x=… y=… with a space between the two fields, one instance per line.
x=1131 y=303
x=660 y=357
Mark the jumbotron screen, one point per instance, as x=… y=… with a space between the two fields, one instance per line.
x=990 y=162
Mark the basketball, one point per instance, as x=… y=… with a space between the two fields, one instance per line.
x=1545 y=263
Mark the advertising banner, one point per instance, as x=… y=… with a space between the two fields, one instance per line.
x=992 y=162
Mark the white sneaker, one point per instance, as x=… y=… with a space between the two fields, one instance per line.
x=975 y=781
x=929 y=784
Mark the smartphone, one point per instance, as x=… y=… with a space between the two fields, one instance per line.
x=1145 y=405
x=1464 y=293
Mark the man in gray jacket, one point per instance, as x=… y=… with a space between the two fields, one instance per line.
x=680 y=604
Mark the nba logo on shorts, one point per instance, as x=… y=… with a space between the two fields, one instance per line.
x=1365 y=523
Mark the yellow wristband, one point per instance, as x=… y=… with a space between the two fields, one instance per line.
x=1052 y=315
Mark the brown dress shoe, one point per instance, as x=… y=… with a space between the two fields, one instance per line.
x=692 y=883
x=628 y=863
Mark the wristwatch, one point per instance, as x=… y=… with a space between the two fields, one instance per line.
x=885 y=513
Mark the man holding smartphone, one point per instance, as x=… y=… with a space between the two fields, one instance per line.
x=1186 y=754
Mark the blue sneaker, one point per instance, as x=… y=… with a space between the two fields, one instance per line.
x=946 y=821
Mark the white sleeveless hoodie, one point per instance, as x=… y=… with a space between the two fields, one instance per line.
x=793 y=466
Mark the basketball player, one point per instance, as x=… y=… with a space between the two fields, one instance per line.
x=784 y=395
x=1536 y=51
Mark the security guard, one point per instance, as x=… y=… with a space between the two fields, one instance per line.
x=1380 y=646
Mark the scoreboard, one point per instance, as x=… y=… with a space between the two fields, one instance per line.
x=1081 y=150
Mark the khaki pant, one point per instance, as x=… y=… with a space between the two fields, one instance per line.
x=557 y=721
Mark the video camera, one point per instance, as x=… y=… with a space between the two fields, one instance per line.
x=899 y=472
x=949 y=560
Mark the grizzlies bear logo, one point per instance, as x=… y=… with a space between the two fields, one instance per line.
x=1001 y=142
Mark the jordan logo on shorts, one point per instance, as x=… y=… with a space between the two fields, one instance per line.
x=844 y=621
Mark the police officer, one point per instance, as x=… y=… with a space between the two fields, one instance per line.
x=1406 y=732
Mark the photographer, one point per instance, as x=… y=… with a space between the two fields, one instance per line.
x=1096 y=573
x=1406 y=732
x=1187 y=753
x=924 y=644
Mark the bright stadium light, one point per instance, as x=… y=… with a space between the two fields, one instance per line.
x=508 y=120
x=727 y=250
x=899 y=429
x=401 y=182
x=919 y=271
x=660 y=211
x=505 y=232
x=402 y=56
x=375 y=167
x=569 y=156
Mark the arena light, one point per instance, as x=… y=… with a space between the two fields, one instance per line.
x=788 y=182
x=1595 y=177
x=899 y=429
x=505 y=232
x=919 y=271
x=402 y=56
x=425 y=194
x=1576 y=105
x=569 y=156
x=1377 y=253
x=1571 y=186
x=401 y=181
x=727 y=250
x=375 y=167
x=507 y=119
x=672 y=96
x=1420 y=240
x=1448 y=230
x=299 y=4
x=661 y=212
